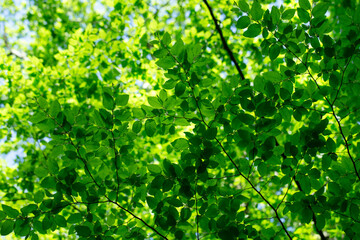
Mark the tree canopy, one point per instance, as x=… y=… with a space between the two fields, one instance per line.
x=155 y=119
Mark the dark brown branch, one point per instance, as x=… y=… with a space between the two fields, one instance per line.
x=140 y=219
x=319 y=231
x=223 y=40
x=254 y=188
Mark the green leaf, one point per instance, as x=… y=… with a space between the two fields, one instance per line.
x=320 y=221
x=75 y=218
x=138 y=113
x=122 y=99
x=151 y=202
x=38 y=196
x=48 y=182
x=226 y=89
x=2 y=215
x=108 y=101
x=166 y=39
x=11 y=212
x=357 y=15
x=193 y=50
x=236 y=123
x=136 y=128
x=330 y=145
x=150 y=127
x=22 y=228
x=38 y=117
x=243 y=22
x=41 y=172
x=243 y=5
x=269 y=89
x=160 y=53
x=180 y=89
x=55 y=108
x=320 y=9
x=42 y=102
x=268 y=233
x=272 y=76
x=253 y=31
x=334 y=188
x=83 y=231
x=154 y=168
x=304 y=16
x=166 y=62
x=180 y=144
x=210 y=133
x=246 y=118
x=306 y=215
x=178 y=47
x=256 y=11
x=305 y=184
x=354 y=211
x=263 y=169
x=170 y=103
x=28 y=209
x=170 y=84
x=154 y=102
x=60 y=221
x=52 y=166
x=334 y=80
x=259 y=83
x=285 y=94
x=181 y=122
x=326 y=162
x=212 y=211
x=305 y=4
x=7 y=227
x=288 y=14
x=274 y=51
x=275 y=15
x=185 y=213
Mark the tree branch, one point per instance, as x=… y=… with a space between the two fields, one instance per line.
x=223 y=40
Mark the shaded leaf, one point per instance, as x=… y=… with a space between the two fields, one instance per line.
x=180 y=144
x=83 y=231
x=150 y=127
x=253 y=30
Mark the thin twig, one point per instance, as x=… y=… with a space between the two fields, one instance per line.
x=331 y=107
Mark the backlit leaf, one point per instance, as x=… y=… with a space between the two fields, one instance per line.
x=305 y=4
x=166 y=62
x=122 y=99
x=256 y=11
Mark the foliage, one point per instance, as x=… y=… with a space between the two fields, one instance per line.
x=180 y=119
